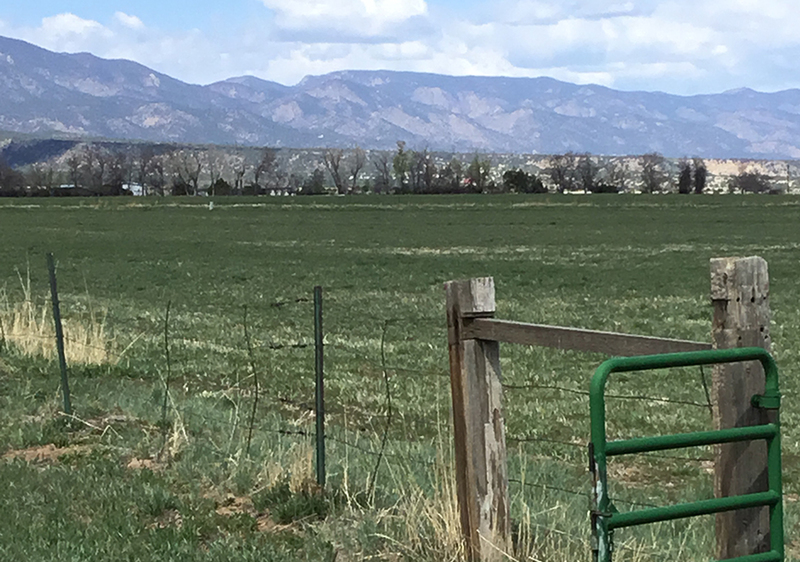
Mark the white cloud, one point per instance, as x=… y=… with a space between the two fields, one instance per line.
x=67 y=23
x=409 y=50
x=129 y=21
x=680 y=46
x=187 y=55
x=532 y=12
x=676 y=46
x=356 y=17
x=68 y=31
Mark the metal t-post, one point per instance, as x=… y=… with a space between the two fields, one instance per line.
x=62 y=359
x=320 y=391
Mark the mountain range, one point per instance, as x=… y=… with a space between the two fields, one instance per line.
x=83 y=96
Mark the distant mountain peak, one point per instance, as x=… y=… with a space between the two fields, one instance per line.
x=251 y=81
x=739 y=91
x=46 y=93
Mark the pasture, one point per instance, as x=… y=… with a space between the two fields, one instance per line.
x=221 y=466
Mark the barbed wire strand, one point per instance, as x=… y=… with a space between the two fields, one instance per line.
x=405 y=457
x=583 y=446
x=582 y=493
x=535 y=386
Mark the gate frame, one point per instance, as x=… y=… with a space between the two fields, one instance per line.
x=605 y=517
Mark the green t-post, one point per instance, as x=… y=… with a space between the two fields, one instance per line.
x=320 y=394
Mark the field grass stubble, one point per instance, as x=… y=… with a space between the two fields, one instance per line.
x=636 y=265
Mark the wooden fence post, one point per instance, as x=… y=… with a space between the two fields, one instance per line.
x=740 y=296
x=479 y=429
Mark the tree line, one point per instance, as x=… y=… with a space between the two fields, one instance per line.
x=119 y=169
x=116 y=169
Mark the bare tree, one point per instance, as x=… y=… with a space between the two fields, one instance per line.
x=429 y=173
x=586 y=172
x=12 y=182
x=215 y=163
x=294 y=182
x=187 y=166
x=239 y=167
x=104 y=169
x=381 y=162
x=118 y=170
x=562 y=171
x=266 y=169
x=616 y=173
x=142 y=167
x=74 y=168
x=788 y=176
x=450 y=178
x=93 y=166
x=416 y=169
x=356 y=163
x=478 y=174
x=157 y=173
x=332 y=158
x=421 y=171
x=42 y=176
x=653 y=176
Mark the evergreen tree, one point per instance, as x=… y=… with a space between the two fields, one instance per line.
x=700 y=175
x=685 y=177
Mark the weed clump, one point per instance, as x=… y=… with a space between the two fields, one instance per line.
x=287 y=506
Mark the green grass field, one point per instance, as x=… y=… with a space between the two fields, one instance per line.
x=208 y=475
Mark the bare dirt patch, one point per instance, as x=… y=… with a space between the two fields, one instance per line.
x=642 y=475
x=136 y=463
x=232 y=505
x=44 y=453
x=633 y=475
x=169 y=518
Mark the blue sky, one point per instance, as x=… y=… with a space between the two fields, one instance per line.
x=678 y=46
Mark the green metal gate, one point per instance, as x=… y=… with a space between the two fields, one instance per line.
x=606 y=518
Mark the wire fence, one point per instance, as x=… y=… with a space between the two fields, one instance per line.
x=226 y=391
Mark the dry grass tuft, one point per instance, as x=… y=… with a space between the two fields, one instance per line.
x=29 y=328
x=425 y=525
x=176 y=437
x=295 y=466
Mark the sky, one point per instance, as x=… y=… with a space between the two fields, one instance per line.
x=681 y=47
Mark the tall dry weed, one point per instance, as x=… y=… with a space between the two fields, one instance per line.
x=28 y=326
x=294 y=465
x=432 y=522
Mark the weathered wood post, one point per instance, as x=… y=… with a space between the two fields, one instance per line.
x=740 y=296
x=479 y=428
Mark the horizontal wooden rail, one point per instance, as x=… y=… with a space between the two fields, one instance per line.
x=575 y=339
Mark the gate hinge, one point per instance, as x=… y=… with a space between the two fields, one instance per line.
x=767 y=401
